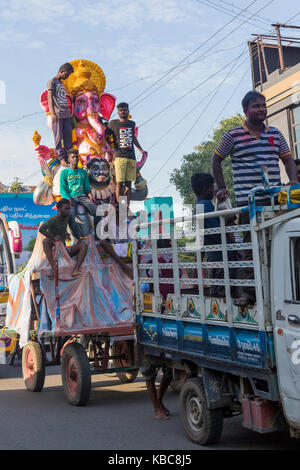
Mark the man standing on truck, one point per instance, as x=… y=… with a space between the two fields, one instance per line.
x=125 y=162
x=252 y=146
x=60 y=113
x=54 y=230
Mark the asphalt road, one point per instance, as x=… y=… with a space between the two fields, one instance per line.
x=117 y=417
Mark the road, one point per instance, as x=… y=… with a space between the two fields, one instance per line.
x=117 y=417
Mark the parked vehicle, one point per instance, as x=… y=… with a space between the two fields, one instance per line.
x=234 y=360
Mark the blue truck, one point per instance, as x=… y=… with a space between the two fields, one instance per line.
x=228 y=359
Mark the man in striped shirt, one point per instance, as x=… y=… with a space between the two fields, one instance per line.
x=252 y=146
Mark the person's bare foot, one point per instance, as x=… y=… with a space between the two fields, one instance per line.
x=161 y=414
x=165 y=409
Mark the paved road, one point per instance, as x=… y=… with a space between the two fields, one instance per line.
x=117 y=417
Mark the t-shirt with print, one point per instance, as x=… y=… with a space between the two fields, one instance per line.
x=249 y=154
x=60 y=103
x=123 y=136
x=74 y=183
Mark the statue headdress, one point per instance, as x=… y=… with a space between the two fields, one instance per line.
x=87 y=76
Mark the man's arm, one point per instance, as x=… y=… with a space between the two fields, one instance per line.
x=290 y=168
x=45 y=229
x=136 y=143
x=63 y=184
x=50 y=100
x=216 y=165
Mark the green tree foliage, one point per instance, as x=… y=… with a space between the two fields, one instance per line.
x=30 y=245
x=200 y=161
x=16 y=186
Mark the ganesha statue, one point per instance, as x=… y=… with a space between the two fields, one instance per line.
x=91 y=108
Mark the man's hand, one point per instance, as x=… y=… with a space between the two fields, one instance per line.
x=222 y=194
x=63 y=163
x=54 y=117
x=58 y=238
x=68 y=238
x=290 y=183
x=91 y=197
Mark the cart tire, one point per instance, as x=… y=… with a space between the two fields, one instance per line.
x=76 y=375
x=125 y=348
x=33 y=366
x=202 y=425
x=179 y=377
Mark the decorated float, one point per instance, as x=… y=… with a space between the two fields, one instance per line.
x=84 y=323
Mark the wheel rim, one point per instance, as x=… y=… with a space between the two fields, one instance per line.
x=29 y=366
x=195 y=412
x=72 y=376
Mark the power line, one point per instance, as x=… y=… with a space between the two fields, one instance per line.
x=197 y=119
x=260 y=18
x=190 y=54
x=271 y=1
x=225 y=10
x=24 y=116
x=188 y=92
x=182 y=65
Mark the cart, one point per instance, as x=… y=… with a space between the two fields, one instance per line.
x=98 y=349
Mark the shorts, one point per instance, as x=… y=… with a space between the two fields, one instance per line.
x=125 y=169
x=149 y=370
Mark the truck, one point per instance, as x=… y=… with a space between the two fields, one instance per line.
x=228 y=360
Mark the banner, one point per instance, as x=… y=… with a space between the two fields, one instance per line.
x=20 y=207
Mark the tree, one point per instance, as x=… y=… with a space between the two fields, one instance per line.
x=16 y=186
x=30 y=245
x=200 y=161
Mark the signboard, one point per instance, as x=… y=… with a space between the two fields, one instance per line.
x=20 y=207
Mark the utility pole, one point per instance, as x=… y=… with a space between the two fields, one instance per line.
x=280 y=51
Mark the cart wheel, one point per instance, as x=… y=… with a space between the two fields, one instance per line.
x=76 y=376
x=125 y=349
x=202 y=425
x=33 y=366
x=178 y=380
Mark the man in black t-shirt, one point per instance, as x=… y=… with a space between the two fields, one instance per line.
x=123 y=131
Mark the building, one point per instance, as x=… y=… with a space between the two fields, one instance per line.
x=275 y=66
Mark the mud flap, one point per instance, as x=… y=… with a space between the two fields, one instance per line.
x=214 y=389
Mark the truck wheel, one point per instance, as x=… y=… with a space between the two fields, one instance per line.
x=76 y=375
x=124 y=349
x=202 y=425
x=33 y=366
x=178 y=380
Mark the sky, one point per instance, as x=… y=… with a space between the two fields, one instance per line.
x=182 y=65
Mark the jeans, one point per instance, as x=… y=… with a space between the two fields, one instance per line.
x=62 y=130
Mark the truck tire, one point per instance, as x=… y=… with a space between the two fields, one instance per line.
x=124 y=348
x=33 y=366
x=202 y=425
x=76 y=375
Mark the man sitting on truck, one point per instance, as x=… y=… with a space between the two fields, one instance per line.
x=55 y=229
x=252 y=146
x=203 y=187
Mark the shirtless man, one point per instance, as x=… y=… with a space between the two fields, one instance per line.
x=54 y=230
